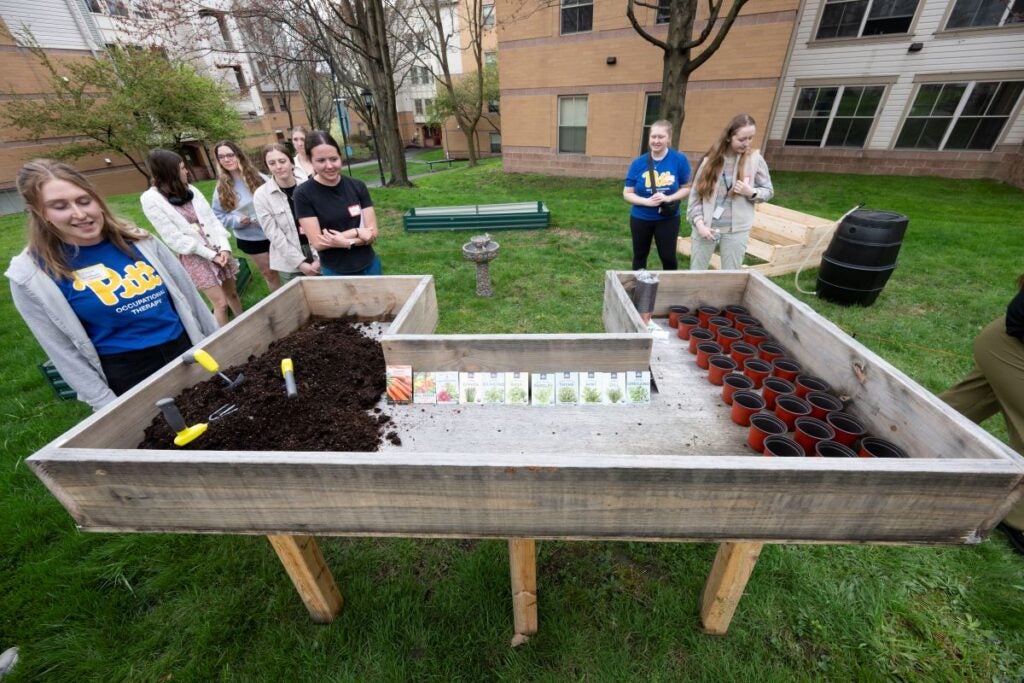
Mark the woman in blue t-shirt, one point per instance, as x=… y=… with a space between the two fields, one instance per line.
x=655 y=212
x=107 y=302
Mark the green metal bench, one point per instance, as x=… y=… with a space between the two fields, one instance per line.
x=482 y=217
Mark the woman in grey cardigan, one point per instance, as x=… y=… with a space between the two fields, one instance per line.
x=108 y=303
x=729 y=181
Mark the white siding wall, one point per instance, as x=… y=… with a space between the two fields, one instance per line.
x=943 y=53
x=50 y=21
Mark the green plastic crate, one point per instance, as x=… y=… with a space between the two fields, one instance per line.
x=479 y=217
x=56 y=382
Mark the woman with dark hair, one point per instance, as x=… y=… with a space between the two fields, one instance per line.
x=184 y=220
x=237 y=180
x=996 y=384
x=336 y=213
x=290 y=253
x=303 y=168
x=730 y=180
x=655 y=185
x=108 y=303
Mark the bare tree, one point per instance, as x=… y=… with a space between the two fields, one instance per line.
x=678 y=45
x=430 y=31
x=360 y=28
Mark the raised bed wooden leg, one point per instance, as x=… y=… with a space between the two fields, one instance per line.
x=729 y=574
x=522 y=559
x=305 y=565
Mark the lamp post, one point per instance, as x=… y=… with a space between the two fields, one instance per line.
x=368 y=101
x=341 y=104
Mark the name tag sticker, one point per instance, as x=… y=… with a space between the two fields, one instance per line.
x=719 y=210
x=92 y=273
x=355 y=210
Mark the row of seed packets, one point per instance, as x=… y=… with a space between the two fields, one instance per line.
x=523 y=388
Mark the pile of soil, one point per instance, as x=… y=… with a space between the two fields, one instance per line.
x=339 y=370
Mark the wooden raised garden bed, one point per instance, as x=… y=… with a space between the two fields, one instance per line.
x=783 y=238
x=482 y=217
x=674 y=470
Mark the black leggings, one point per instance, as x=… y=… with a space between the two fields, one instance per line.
x=125 y=370
x=665 y=234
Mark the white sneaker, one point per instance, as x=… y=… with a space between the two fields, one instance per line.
x=8 y=659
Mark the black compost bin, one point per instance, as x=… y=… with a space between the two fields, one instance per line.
x=861 y=257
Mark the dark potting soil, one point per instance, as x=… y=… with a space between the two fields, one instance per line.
x=339 y=371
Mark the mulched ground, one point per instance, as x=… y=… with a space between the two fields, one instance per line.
x=340 y=375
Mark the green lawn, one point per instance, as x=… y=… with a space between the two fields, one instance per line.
x=97 y=607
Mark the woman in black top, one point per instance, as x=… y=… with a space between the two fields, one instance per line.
x=336 y=213
x=996 y=384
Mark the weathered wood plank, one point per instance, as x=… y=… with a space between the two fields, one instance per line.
x=364 y=297
x=786 y=231
x=734 y=562
x=520 y=352
x=522 y=555
x=619 y=314
x=308 y=571
x=690 y=288
x=419 y=313
x=569 y=495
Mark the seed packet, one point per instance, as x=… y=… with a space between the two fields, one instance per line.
x=447 y=383
x=567 y=388
x=517 y=388
x=424 y=388
x=399 y=383
x=542 y=388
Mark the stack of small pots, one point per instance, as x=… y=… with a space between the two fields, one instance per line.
x=788 y=412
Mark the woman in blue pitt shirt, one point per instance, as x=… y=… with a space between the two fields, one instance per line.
x=108 y=302
x=655 y=186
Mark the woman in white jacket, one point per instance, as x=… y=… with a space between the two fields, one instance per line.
x=185 y=221
x=290 y=253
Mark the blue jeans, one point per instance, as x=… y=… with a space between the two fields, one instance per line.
x=372 y=269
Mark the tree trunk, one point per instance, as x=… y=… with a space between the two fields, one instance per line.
x=675 y=75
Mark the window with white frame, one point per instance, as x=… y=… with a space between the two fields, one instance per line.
x=488 y=14
x=572 y=124
x=968 y=115
x=417 y=105
x=980 y=13
x=856 y=18
x=495 y=143
x=834 y=116
x=662 y=16
x=577 y=16
x=653 y=106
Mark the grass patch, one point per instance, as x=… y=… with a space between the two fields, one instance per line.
x=151 y=607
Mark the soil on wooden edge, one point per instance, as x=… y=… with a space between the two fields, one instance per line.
x=339 y=371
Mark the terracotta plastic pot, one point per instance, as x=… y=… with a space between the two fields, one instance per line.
x=704 y=352
x=733 y=382
x=705 y=313
x=743 y=321
x=740 y=351
x=754 y=335
x=719 y=366
x=833 y=449
x=809 y=431
x=772 y=388
x=848 y=428
x=733 y=310
x=808 y=383
x=756 y=370
x=822 y=404
x=769 y=351
x=874 y=447
x=676 y=312
x=782 y=447
x=745 y=403
x=727 y=336
x=763 y=425
x=789 y=408
x=786 y=368
x=685 y=325
x=698 y=335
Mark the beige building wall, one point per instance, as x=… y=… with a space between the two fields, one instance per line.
x=538 y=65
